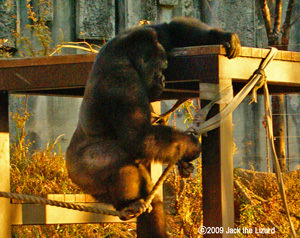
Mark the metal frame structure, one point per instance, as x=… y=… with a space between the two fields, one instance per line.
x=188 y=69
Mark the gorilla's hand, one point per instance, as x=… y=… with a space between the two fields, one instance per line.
x=135 y=209
x=192 y=152
x=232 y=44
x=194 y=148
x=185 y=168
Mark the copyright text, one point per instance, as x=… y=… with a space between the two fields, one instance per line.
x=237 y=230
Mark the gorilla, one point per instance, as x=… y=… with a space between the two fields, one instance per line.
x=115 y=141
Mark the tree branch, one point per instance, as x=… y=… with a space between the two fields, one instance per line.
x=267 y=16
x=295 y=20
x=278 y=13
x=287 y=25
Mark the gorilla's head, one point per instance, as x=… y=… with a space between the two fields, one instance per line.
x=147 y=56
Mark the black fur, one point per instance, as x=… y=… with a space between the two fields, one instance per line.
x=114 y=134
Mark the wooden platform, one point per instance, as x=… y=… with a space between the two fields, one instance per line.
x=40 y=214
x=188 y=69
x=67 y=75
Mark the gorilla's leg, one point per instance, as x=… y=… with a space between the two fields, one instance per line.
x=127 y=187
x=134 y=182
x=102 y=168
x=152 y=224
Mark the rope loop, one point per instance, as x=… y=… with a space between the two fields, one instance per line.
x=260 y=83
x=262 y=80
x=261 y=72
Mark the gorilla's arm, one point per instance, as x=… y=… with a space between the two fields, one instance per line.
x=142 y=141
x=184 y=32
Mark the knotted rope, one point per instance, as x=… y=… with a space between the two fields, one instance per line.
x=257 y=80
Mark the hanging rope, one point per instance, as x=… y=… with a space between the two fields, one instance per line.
x=199 y=127
x=257 y=80
x=278 y=173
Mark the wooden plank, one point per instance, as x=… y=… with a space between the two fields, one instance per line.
x=40 y=214
x=278 y=72
x=45 y=77
x=46 y=73
x=156 y=169
x=226 y=141
x=217 y=172
x=47 y=60
x=246 y=52
x=24 y=213
x=5 y=214
x=196 y=50
x=67 y=75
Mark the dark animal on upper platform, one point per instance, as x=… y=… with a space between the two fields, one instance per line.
x=115 y=140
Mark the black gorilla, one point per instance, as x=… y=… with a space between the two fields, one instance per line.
x=115 y=140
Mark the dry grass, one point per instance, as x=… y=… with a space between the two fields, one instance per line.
x=43 y=173
x=266 y=208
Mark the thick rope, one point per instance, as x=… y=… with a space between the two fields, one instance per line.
x=257 y=80
x=124 y=213
x=278 y=172
x=159 y=182
x=39 y=200
x=200 y=127
x=263 y=83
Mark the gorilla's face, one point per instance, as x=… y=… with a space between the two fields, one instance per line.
x=157 y=78
x=147 y=56
x=158 y=84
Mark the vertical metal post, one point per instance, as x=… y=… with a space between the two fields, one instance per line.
x=5 y=220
